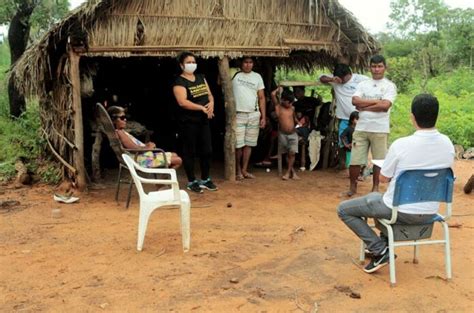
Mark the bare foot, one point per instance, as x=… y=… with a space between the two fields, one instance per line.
x=295 y=177
x=285 y=177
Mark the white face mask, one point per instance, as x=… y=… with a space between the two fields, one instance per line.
x=190 y=67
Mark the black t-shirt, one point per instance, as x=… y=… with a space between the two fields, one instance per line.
x=197 y=93
x=346 y=136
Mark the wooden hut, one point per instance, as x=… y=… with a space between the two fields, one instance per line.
x=300 y=34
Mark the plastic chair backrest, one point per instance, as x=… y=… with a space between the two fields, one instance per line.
x=131 y=167
x=108 y=128
x=414 y=186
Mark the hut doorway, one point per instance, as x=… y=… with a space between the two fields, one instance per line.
x=144 y=86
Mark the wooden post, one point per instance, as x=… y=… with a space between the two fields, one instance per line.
x=229 y=140
x=329 y=136
x=75 y=78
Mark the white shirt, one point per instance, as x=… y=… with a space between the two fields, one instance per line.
x=425 y=149
x=381 y=89
x=343 y=94
x=246 y=87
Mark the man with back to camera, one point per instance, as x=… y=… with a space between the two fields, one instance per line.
x=373 y=99
x=427 y=148
x=344 y=83
x=250 y=104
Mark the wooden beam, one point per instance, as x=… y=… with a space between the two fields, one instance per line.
x=304 y=42
x=229 y=140
x=99 y=49
x=74 y=76
x=222 y=18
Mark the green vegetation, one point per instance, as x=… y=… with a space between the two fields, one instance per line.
x=21 y=138
x=454 y=90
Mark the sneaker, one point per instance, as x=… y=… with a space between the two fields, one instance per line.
x=207 y=184
x=194 y=186
x=378 y=262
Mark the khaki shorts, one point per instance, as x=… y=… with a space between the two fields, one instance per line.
x=362 y=141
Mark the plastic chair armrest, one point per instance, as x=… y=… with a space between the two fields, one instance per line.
x=393 y=219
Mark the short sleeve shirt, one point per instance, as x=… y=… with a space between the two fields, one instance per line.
x=246 y=87
x=344 y=93
x=381 y=89
x=425 y=149
x=197 y=93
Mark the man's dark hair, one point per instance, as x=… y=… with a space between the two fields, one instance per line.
x=183 y=55
x=341 y=70
x=425 y=108
x=378 y=59
x=354 y=116
x=298 y=87
x=287 y=95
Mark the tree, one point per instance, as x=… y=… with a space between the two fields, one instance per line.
x=441 y=38
x=22 y=15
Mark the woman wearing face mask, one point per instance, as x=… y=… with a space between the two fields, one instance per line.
x=196 y=109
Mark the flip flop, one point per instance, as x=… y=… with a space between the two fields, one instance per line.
x=248 y=176
x=239 y=177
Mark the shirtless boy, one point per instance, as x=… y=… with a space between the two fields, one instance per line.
x=287 y=136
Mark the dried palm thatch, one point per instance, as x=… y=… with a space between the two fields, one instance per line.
x=292 y=33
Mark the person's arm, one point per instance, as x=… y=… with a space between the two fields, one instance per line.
x=181 y=97
x=328 y=79
x=210 y=104
x=384 y=179
x=361 y=103
x=379 y=106
x=390 y=164
x=262 y=106
x=126 y=141
x=275 y=100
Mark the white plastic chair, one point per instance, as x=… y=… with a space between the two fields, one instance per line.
x=415 y=186
x=151 y=201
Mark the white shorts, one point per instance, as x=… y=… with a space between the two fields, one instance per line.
x=248 y=125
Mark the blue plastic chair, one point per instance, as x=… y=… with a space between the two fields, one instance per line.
x=415 y=186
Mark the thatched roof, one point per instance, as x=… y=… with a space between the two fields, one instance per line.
x=298 y=33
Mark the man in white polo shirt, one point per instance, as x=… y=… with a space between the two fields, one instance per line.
x=250 y=106
x=373 y=99
x=425 y=149
x=344 y=83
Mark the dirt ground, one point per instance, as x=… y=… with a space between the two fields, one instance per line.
x=280 y=247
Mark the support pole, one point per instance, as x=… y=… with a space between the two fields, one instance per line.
x=75 y=78
x=229 y=140
x=331 y=132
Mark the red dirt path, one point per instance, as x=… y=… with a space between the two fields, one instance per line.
x=279 y=248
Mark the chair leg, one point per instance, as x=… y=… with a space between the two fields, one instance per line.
x=185 y=212
x=391 y=252
x=142 y=225
x=280 y=163
x=303 y=156
x=362 y=252
x=129 y=193
x=447 y=251
x=415 y=253
x=118 y=182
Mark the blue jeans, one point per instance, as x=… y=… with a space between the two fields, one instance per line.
x=352 y=212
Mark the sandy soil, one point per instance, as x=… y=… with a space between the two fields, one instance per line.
x=279 y=248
